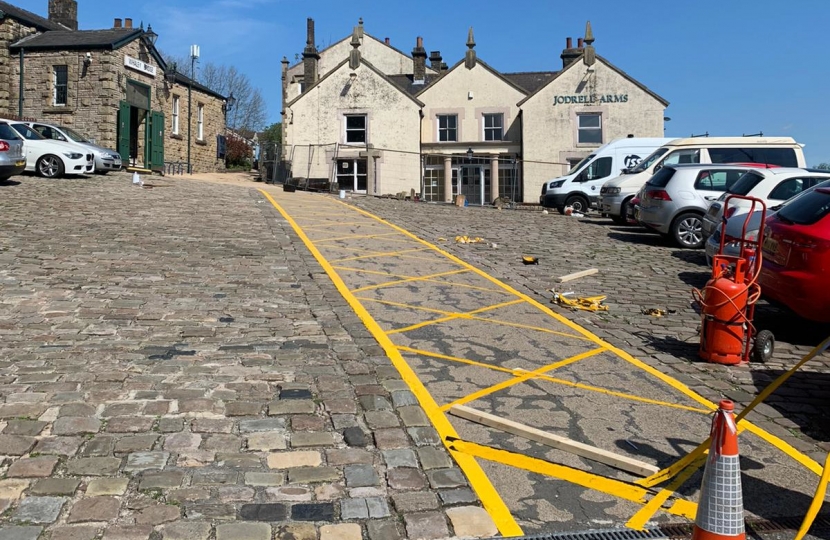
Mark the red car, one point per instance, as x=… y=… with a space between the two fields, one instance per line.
x=796 y=256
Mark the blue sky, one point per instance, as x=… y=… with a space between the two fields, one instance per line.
x=728 y=67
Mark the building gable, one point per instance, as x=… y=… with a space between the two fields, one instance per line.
x=481 y=77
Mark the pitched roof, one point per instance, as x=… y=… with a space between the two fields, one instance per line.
x=63 y=40
x=28 y=18
x=407 y=85
x=483 y=64
x=531 y=80
x=184 y=80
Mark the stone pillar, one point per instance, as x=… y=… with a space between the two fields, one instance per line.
x=448 y=179
x=494 y=178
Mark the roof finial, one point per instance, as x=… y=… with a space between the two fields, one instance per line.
x=589 y=55
x=589 y=34
x=360 y=28
x=470 y=57
x=471 y=42
x=354 y=55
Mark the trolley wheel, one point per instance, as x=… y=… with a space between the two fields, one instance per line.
x=764 y=346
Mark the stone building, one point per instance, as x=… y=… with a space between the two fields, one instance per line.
x=373 y=119
x=111 y=85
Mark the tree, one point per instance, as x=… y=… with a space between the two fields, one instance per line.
x=823 y=166
x=272 y=133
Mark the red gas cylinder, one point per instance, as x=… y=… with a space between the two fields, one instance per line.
x=723 y=329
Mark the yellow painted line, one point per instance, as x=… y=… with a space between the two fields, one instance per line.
x=674 y=383
x=609 y=486
x=372 y=272
x=506 y=384
x=353 y=237
x=639 y=520
x=409 y=280
x=379 y=254
x=363 y=223
x=453 y=316
x=818 y=500
x=488 y=495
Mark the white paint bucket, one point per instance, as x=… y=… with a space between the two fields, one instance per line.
x=342 y=193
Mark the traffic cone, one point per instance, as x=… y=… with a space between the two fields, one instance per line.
x=720 y=511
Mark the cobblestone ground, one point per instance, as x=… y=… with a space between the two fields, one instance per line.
x=637 y=270
x=174 y=364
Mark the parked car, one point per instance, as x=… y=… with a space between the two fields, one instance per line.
x=49 y=158
x=735 y=227
x=12 y=159
x=773 y=186
x=105 y=160
x=796 y=256
x=675 y=199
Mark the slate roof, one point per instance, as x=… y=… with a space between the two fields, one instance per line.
x=406 y=84
x=65 y=40
x=531 y=80
x=184 y=80
x=28 y=18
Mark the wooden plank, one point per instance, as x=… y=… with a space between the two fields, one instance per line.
x=577 y=275
x=549 y=439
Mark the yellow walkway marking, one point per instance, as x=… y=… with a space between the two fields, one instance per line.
x=399 y=276
x=490 y=498
x=408 y=280
x=354 y=237
x=467 y=315
x=341 y=224
x=379 y=254
x=530 y=374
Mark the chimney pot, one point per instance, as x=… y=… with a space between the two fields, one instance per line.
x=117 y=23
x=579 y=43
x=420 y=41
x=386 y=40
x=128 y=23
x=569 y=43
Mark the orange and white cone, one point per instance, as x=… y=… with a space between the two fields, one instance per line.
x=720 y=511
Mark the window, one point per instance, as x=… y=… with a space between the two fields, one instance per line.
x=599 y=168
x=175 y=127
x=717 y=180
x=447 y=128
x=784 y=157
x=789 y=188
x=201 y=119
x=807 y=209
x=683 y=156
x=746 y=183
x=48 y=133
x=356 y=128
x=493 y=127
x=590 y=129
x=61 y=82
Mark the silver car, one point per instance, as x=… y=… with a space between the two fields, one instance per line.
x=12 y=159
x=105 y=160
x=676 y=198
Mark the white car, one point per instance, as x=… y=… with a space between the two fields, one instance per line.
x=773 y=186
x=105 y=160
x=52 y=159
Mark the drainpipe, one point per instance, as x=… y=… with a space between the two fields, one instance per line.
x=20 y=94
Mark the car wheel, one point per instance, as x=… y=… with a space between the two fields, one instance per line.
x=764 y=346
x=619 y=220
x=578 y=203
x=102 y=173
x=49 y=166
x=625 y=207
x=561 y=210
x=687 y=230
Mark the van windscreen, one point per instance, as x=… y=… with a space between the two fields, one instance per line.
x=783 y=157
x=580 y=164
x=648 y=161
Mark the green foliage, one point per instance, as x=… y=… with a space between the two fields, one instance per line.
x=272 y=133
x=823 y=166
x=238 y=153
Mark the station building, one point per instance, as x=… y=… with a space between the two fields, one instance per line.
x=373 y=119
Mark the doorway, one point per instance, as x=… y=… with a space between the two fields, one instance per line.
x=352 y=175
x=474 y=183
x=140 y=130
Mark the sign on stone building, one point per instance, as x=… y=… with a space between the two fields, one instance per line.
x=138 y=65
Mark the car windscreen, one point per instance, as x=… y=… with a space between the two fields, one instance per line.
x=745 y=183
x=807 y=209
x=8 y=133
x=74 y=135
x=648 y=161
x=27 y=133
x=580 y=164
x=783 y=157
x=661 y=178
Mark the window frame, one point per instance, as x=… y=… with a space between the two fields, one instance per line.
x=588 y=129
x=174 y=128
x=447 y=130
x=57 y=86
x=200 y=119
x=500 y=127
x=364 y=129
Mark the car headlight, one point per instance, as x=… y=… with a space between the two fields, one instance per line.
x=556 y=184
x=612 y=190
x=73 y=155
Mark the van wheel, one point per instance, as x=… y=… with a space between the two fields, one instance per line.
x=687 y=230
x=624 y=206
x=49 y=166
x=578 y=203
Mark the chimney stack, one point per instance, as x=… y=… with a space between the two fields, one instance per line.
x=64 y=12
x=310 y=56
x=435 y=60
x=128 y=23
x=386 y=40
x=116 y=23
x=419 y=60
x=579 y=43
x=569 y=54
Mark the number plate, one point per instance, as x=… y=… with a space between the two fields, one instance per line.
x=770 y=246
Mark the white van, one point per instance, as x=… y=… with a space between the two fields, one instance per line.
x=616 y=194
x=580 y=187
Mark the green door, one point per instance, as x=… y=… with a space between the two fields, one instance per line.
x=157 y=141
x=124 y=132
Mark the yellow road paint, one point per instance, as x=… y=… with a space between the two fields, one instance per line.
x=409 y=280
x=379 y=254
x=454 y=316
x=609 y=486
x=506 y=384
x=488 y=495
x=639 y=520
x=353 y=237
x=378 y=226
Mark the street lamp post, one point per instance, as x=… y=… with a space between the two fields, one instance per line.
x=226 y=108
x=194 y=55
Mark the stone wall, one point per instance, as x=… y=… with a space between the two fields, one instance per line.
x=10 y=32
